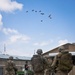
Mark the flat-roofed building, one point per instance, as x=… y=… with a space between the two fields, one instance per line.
x=19 y=61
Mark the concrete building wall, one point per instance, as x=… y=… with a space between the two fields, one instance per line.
x=72 y=48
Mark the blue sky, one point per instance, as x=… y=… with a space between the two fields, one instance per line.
x=22 y=31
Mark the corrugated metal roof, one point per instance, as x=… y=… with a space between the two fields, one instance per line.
x=6 y=56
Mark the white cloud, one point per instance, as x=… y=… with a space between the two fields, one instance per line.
x=14 y=35
x=36 y=44
x=42 y=43
x=18 y=38
x=61 y=42
x=9 y=31
x=10 y=5
x=1 y=23
x=6 y=30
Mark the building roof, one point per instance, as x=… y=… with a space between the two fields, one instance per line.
x=55 y=49
x=54 y=54
x=6 y=56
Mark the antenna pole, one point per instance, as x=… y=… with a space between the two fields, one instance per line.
x=4 y=49
x=34 y=52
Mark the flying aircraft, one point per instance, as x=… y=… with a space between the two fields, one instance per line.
x=42 y=13
x=26 y=11
x=50 y=16
x=33 y=10
x=41 y=20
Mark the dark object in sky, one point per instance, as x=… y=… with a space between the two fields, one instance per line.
x=42 y=13
x=32 y=10
x=26 y=11
x=35 y=11
x=41 y=20
x=50 y=16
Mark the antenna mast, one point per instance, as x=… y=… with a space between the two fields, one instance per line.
x=34 y=52
x=4 y=49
